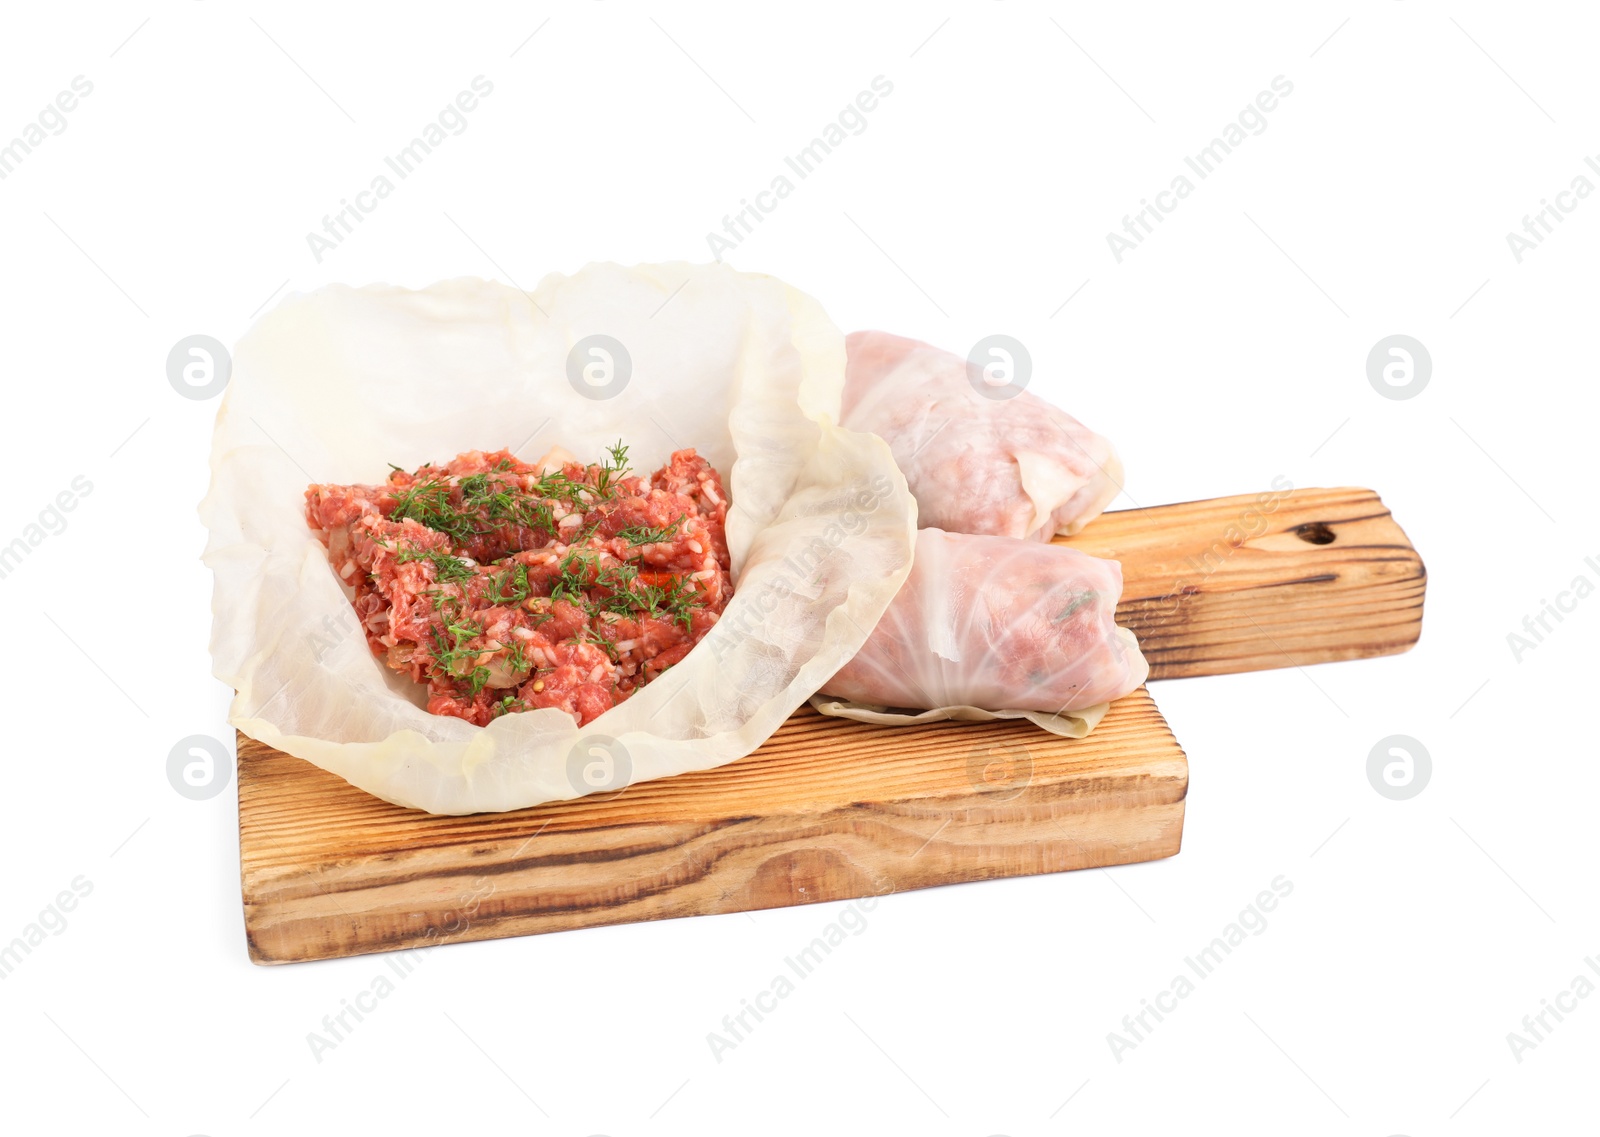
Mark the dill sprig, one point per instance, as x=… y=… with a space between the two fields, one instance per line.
x=616 y=467
x=510 y=586
x=428 y=503
x=636 y=535
x=447 y=568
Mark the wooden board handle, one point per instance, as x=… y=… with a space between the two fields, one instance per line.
x=1276 y=579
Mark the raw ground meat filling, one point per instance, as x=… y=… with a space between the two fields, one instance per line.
x=504 y=586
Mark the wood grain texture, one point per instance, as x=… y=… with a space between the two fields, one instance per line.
x=1262 y=580
x=831 y=809
x=828 y=809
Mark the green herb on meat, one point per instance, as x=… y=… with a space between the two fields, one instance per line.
x=599 y=638
x=455 y=656
x=674 y=601
x=428 y=503
x=510 y=586
x=618 y=578
x=507 y=706
x=485 y=504
x=572 y=578
x=618 y=465
x=503 y=502
x=448 y=569
x=636 y=535
x=679 y=600
x=558 y=486
x=479 y=579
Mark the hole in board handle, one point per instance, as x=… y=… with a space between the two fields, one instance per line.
x=1316 y=533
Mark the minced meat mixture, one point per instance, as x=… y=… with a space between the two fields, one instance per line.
x=505 y=586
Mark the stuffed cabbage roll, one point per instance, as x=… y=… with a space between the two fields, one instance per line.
x=1014 y=467
x=998 y=624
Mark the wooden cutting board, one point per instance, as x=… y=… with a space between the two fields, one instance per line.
x=830 y=809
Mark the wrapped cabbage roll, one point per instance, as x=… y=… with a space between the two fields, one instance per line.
x=1013 y=467
x=994 y=627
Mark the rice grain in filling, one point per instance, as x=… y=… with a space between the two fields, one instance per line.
x=503 y=586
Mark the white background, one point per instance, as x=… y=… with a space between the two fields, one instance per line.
x=1229 y=349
